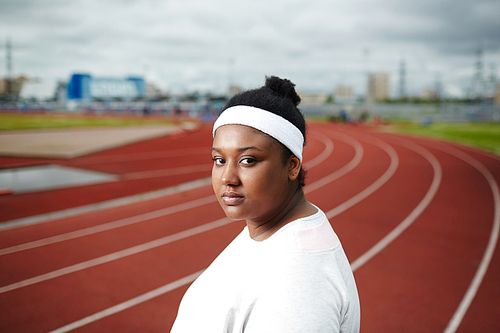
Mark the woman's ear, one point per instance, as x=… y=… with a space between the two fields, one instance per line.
x=294 y=166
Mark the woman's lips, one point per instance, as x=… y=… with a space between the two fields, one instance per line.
x=232 y=199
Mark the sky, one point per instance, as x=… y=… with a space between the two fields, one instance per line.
x=205 y=45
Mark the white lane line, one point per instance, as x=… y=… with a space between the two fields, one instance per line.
x=130 y=303
x=478 y=151
x=141 y=156
x=150 y=215
x=110 y=225
x=42 y=218
x=166 y=172
x=324 y=154
x=117 y=255
x=358 y=156
x=376 y=185
x=436 y=181
x=492 y=242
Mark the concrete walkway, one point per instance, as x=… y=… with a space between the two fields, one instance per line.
x=74 y=142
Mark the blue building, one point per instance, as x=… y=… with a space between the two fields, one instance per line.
x=86 y=87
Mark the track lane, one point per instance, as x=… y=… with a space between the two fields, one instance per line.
x=476 y=282
x=128 y=304
x=57 y=302
x=485 y=308
x=415 y=213
x=17 y=235
x=371 y=219
x=128 y=316
x=369 y=190
x=148 y=214
x=210 y=260
x=21 y=205
x=98 y=249
x=151 y=215
x=432 y=265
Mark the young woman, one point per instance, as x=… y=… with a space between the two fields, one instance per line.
x=286 y=271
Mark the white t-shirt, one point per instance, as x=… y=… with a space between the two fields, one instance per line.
x=297 y=280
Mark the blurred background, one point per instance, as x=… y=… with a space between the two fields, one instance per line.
x=421 y=60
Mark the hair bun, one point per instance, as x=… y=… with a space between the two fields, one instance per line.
x=283 y=87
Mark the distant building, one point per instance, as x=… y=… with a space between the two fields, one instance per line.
x=312 y=99
x=12 y=87
x=429 y=94
x=378 y=86
x=86 y=87
x=61 y=93
x=38 y=89
x=343 y=94
x=152 y=91
x=234 y=89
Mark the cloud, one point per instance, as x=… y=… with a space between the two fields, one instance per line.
x=204 y=44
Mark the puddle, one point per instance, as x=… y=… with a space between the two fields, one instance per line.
x=47 y=177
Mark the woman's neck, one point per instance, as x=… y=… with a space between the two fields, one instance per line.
x=297 y=207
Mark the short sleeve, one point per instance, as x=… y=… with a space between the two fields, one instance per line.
x=300 y=302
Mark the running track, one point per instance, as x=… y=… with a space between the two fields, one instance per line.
x=419 y=221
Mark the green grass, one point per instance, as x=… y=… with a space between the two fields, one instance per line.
x=23 y=122
x=482 y=135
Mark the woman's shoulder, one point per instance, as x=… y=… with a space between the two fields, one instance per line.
x=315 y=233
x=307 y=234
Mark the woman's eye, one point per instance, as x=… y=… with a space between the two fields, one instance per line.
x=218 y=161
x=247 y=160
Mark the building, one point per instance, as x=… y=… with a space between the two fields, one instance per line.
x=36 y=89
x=86 y=87
x=152 y=91
x=312 y=99
x=234 y=89
x=343 y=94
x=429 y=94
x=378 y=86
x=12 y=87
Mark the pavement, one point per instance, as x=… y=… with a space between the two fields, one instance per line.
x=75 y=142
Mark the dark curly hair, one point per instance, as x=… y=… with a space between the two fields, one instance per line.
x=279 y=97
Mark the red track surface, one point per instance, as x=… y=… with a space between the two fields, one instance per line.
x=417 y=218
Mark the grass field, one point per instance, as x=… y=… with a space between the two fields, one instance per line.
x=482 y=135
x=41 y=121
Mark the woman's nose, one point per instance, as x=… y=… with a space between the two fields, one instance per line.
x=230 y=175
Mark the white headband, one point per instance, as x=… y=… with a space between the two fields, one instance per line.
x=265 y=121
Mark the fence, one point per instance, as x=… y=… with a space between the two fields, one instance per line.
x=413 y=112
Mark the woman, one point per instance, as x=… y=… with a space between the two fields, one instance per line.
x=286 y=271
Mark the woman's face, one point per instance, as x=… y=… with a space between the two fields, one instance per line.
x=249 y=177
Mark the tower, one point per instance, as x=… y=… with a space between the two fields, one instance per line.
x=402 y=79
x=8 y=62
x=438 y=87
x=478 y=86
x=491 y=88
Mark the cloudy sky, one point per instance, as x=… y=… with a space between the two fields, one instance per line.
x=203 y=45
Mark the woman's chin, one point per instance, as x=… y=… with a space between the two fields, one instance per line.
x=234 y=213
